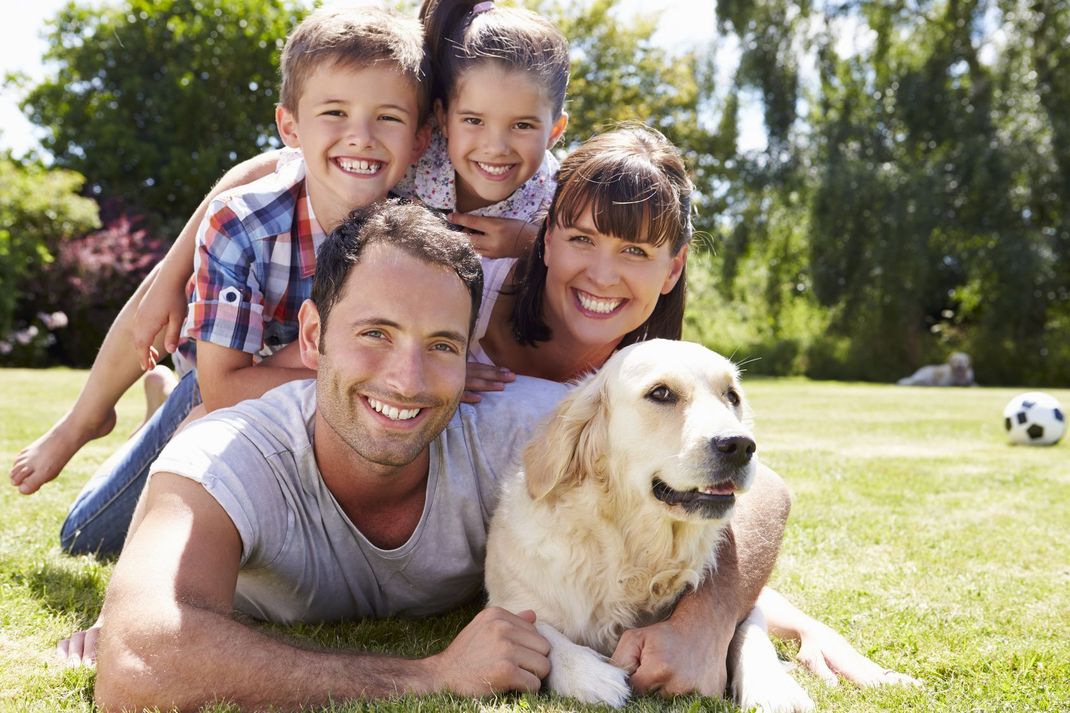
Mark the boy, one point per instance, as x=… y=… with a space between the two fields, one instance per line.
x=354 y=100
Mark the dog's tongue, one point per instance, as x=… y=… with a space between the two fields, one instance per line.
x=725 y=488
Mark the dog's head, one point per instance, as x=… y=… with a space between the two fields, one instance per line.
x=662 y=423
x=960 y=365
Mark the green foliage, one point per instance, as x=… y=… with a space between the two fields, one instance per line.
x=39 y=210
x=932 y=168
x=153 y=99
x=619 y=74
x=912 y=200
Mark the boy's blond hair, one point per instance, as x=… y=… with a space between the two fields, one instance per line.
x=353 y=38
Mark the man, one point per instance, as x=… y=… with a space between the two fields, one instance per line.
x=365 y=493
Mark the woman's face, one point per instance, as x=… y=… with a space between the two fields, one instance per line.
x=599 y=287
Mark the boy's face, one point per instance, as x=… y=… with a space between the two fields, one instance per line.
x=359 y=129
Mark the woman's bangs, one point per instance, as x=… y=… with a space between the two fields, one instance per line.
x=627 y=203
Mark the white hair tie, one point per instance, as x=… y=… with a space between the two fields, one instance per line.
x=482 y=7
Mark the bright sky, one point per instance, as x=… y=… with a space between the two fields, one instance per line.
x=684 y=23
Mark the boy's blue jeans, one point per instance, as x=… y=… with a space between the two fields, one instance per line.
x=101 y=514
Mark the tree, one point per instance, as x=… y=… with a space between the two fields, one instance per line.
x=39 y=209
x=153 y=99
x=929 y=164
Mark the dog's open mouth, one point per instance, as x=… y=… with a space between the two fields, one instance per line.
x=712 y=501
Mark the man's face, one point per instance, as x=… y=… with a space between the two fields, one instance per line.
x=392 y=363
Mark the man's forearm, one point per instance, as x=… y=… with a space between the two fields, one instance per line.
x=746 y=557
x=200 y=656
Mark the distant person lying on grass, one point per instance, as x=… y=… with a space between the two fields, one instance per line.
x=364 y=493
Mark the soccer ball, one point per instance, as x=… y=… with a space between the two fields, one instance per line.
x=1034 y=419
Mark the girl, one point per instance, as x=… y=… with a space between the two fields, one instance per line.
x=499 y=81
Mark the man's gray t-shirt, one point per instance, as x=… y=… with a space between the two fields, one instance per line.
x=302 y=558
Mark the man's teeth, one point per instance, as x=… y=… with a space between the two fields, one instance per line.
x=392 y=412
x=359 y=165
x=494 y=169
x=597 y=304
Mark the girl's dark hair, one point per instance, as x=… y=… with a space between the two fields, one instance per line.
x=516 y=39
x=634 y=183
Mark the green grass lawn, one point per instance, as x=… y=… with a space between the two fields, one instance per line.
x=932 y=545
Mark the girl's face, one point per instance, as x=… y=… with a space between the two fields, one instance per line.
x=599 y=287
x=498 y=126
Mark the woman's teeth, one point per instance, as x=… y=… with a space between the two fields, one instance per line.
x=597 y=304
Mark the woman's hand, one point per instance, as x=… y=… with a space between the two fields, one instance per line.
x=484 y=377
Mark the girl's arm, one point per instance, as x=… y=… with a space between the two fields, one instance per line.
x=497 y=237
x=484 y=377
x=164 y=305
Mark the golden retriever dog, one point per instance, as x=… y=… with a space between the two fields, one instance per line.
x=956 y=372
x=624 y=496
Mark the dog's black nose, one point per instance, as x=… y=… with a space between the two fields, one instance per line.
x=735 y=450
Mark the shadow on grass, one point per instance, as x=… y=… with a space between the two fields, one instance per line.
x=75 y=586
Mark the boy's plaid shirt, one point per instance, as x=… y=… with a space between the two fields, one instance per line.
x=256 y=256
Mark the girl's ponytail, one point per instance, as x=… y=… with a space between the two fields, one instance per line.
x=460 y=34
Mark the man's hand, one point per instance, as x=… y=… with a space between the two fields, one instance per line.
x=673 y=658
x=80 y=648
x=162 y=307
x=496 y=237
x=497 y=651
x=484 y=377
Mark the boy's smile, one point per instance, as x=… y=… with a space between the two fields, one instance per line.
x=359 y=130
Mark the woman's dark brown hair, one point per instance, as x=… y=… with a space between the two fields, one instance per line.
x=634 y=183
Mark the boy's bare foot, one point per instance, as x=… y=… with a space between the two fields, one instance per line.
x=159 y=382
x=42 y=460
x=80 y=648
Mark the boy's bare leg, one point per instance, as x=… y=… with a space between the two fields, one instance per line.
x=115 y=369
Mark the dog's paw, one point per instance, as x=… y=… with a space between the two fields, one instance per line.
x=588 y=677
x=583 y=673
x=777 y=692
x=761 y=681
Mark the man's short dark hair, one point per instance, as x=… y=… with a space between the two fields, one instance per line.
x=408 y=226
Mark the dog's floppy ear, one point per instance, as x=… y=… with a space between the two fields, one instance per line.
x=572 y=444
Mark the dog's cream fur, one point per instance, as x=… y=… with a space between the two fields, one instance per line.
x=956 y=372
x=580 y=537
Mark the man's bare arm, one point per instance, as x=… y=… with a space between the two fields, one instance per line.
x=169 y=640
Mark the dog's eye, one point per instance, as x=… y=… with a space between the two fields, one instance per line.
x=662 y=394
x=732 y=396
